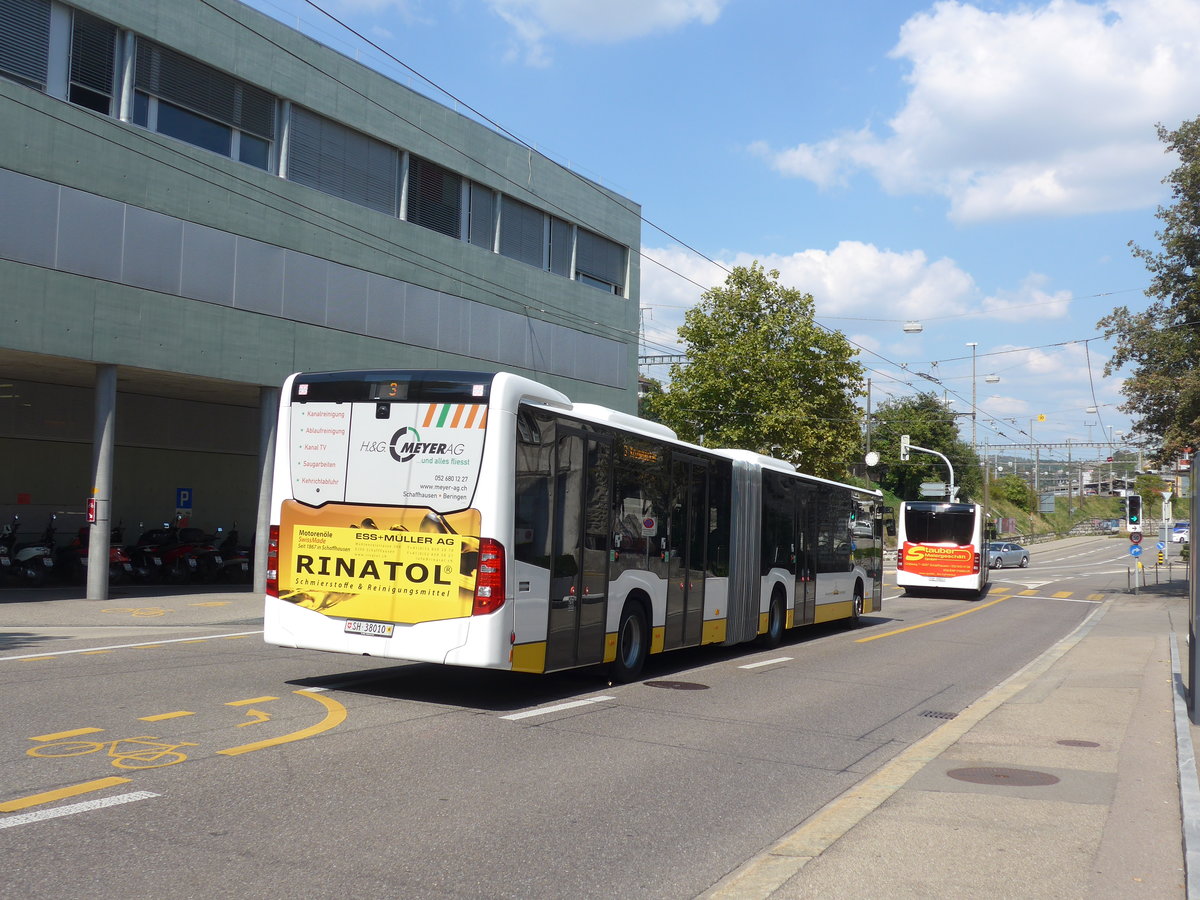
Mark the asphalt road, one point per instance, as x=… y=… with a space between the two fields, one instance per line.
x=154 y=746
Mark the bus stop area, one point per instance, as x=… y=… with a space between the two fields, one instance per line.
x=1075 y=777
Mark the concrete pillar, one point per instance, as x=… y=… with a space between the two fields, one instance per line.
x=268 y=413
x=103 y=440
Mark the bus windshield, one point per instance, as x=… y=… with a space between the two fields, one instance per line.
x=939 y=523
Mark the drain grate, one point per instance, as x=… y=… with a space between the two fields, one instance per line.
x=677 y=685
x=934 y=714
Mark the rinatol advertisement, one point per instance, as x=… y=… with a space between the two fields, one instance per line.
x=938 y=562
x=380 y=527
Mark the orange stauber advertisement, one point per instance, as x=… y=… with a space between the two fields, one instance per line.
x=378 y=563
x=938 y=562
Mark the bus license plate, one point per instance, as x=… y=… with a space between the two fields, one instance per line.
x=378 y=629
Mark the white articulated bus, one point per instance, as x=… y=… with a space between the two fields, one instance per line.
x=941 y=545
x=482 y=519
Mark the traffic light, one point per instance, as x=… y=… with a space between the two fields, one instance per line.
x=1133 y=512
x=904 y=447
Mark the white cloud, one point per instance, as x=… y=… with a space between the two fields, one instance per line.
x=533 y=21
x=1028 y=302
x=1046 y=110
x=853 y=280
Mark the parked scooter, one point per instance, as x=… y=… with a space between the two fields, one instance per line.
x=237 y=561
x=72 y=559
x=8 y=537
x=192 y=557
x=146 y=553
x=34 y=561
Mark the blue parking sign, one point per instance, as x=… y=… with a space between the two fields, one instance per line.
x=183 y=498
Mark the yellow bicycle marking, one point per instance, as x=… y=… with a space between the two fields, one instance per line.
x=143 y=752
x=143 y=611
x=335 y=715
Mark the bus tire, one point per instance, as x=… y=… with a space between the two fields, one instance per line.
x=776 y=622
x=856 y=607
x=633 y=643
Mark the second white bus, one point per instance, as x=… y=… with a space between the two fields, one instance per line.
x=941 y=545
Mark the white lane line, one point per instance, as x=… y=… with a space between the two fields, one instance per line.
x=207 y=637
x=86 y=806
x=557 y=708
x=766 y=662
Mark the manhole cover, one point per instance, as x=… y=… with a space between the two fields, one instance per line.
x=677 y=685
x=1079 y=743
x=1009 y=777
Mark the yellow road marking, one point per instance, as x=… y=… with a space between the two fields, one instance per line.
x=164 y=716
x=965 y=612
x=61 y=794
x=237 y=637
x=94 y=652
x=36 y=658
x=66 y=734
x=196 y=641
x=1095 y=596
x=211 y=603
x=1029 y=593
x=251 y=701
x=147 y=647
x=335 y=715
x=261 y=717
x=1062 y=595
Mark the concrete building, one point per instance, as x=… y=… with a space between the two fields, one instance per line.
x=196 y=200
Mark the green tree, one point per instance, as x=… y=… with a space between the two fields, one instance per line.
x=650 y=394
x=1162 y=344
x=1015 y=490
x=763 y=376
x=928 y=423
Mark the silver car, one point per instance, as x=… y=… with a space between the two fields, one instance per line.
x=1006 y=553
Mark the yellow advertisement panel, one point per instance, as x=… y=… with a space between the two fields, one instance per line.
x=379 y=564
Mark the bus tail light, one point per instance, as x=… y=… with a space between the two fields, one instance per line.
x=273 y=562
x=900 y=558
x=489 y=578
x=975 y=565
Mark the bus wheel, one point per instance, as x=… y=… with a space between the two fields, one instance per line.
x=856 y=608
x=633 y=642
x=776 y=619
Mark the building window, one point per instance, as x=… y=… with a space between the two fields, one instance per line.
x=93 y=49
x=522 y=232
x=337 y=160
x=186 y=99
x=25 y=41
x=481 y=227
x=434 y=197
x=560 y=247
x=600 y=262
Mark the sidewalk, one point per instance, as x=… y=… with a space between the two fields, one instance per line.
x=1063 y=782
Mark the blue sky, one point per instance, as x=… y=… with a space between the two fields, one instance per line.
x=977 y=166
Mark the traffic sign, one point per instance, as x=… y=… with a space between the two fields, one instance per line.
x=933 y=489
x=1135 y=550
x=1135 y=536
x=1161 y=545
